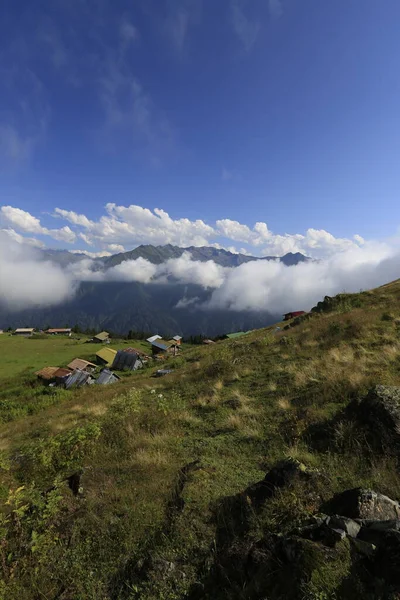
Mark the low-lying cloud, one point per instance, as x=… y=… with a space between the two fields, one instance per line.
x=26 y=280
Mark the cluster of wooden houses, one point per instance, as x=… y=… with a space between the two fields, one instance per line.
x=81 y=372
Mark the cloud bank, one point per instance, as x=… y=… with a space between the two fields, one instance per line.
x=26 y=280
x=125 y=227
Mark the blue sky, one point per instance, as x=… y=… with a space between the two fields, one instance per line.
x=283 y=113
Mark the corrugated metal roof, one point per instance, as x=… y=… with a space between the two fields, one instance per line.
x=47 y=373
x=79 y=363
x=126 y=361
x=104 y=335
x=107 y=355
x=106 y=377
x=162 y=345
x=77 y=378
x=153 y=338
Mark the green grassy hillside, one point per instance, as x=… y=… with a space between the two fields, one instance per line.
x=158 y=462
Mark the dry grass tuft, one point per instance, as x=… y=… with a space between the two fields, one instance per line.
x=148 y=457
x=284 y=403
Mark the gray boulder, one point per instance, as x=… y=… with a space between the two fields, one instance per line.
x=359 y=503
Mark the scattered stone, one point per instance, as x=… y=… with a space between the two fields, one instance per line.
x=359 y=503
x=351 y=527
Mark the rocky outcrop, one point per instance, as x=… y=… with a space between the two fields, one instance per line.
x=379 y=413
x=350 y=549
x=359 y=503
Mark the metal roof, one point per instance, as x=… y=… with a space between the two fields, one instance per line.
x=162 y=345
x=104 y=335
x=67 y=330
x=126 y=361
x=79 y=363
x=47 y=372
x=106 y=377
x=153 y=338
x=162 y=372
x=107 y=354
x=24 y=330
x=177 y=338
x=77 y=378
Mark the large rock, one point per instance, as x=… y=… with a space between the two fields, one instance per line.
x=359 y=503
x=379 y=413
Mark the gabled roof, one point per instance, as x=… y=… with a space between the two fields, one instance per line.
x=107 y=354
x=177 y=338
x=162 y=344
x=153 y=338
x=135 y=351
x=79 y=363
x=47 y=373
x=104 y=335
x=126 y=361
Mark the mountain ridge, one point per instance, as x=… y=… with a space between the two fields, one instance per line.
x=123 y=306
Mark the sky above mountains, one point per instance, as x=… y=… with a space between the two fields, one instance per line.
x=262 y=126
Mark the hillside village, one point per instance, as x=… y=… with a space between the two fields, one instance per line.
x=264 y=465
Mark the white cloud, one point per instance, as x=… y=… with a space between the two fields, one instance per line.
x=27 y=282
x=272 y=286
x=25 y=222
x=100 y=254
x=234 y=230
x=20 y=239
x=246 y=29
x=133 y=225
x=125 y=227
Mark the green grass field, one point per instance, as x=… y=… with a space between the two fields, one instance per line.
x=21 y=355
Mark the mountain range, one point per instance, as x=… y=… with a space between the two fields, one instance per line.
x=123 y=306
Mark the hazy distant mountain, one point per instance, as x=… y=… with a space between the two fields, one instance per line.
x=121 y=306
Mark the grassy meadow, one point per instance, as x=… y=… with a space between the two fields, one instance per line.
x=24 y=356
x=156 y=457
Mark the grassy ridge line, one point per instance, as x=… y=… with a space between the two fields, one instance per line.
x=236 y=407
